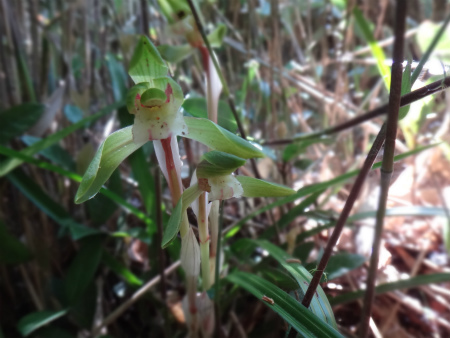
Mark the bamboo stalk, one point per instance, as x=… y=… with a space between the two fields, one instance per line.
x=387 y=167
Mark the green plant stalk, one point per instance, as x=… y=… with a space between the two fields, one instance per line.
x=204 y=241
x=387 y=166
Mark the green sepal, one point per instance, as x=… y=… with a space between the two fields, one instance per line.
x=153 y=97
x=146 y=63
x=131 y=95
x=175 y=54
x=218 y=138
x=218 y=163
x=110 y=154
x=174 y=223
x=254 y=187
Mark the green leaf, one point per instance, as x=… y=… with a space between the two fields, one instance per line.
x=406 y=88
x=302 y=320
x=217 y=163
x=73 y=113
x=388 y=287
x=18 y=119
x=35 y=320
x=422 y=40
x=173 y=226
x=47 y=205
x=217 y=138
x=120 y=269
x=197 y=107
x=118 y=76
x=7 y=166
x=83 y=268
x=254 y=187
x=175 y=54
x=340 y=264
x=297 y=148
x=319 y=304
x=377 y=51
x=12 y=251
x=215 y=38
x=146 y=63
x=54 y=153
x=112 y=152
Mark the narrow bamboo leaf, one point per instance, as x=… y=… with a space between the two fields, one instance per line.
x=120 y=269
x=173 y=225
x=83 y=268
x=10 y=164
x=319 y=304
x=217 y=138
x=377 y=52
x=112 y=152
x=292 y=214
x=293 y=150
x=54 y=153
x=339 y=265
x=302 y=320
x=47 y=205
x=406 y=88
x=118 y=76
x=175 y=54
x=73 y=113
x=74 y=177
x=254 y=187
x=430 y=37
x=12 y=251
x=146 y=63
x=388 y=287
x=18 y=119
x=197 y=107
x=35 y=320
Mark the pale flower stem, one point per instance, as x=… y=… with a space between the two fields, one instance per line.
x=214 y=228
x=204 y=241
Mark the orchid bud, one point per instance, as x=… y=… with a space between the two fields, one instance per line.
x=190 y=254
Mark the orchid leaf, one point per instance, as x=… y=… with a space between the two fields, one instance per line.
x=218 y=138
x=112 y=152
x=197 y=107
x=254 y=187
x=173 y=225
x=146 y=63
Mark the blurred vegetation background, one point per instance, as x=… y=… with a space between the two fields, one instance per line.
x=293 y=66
